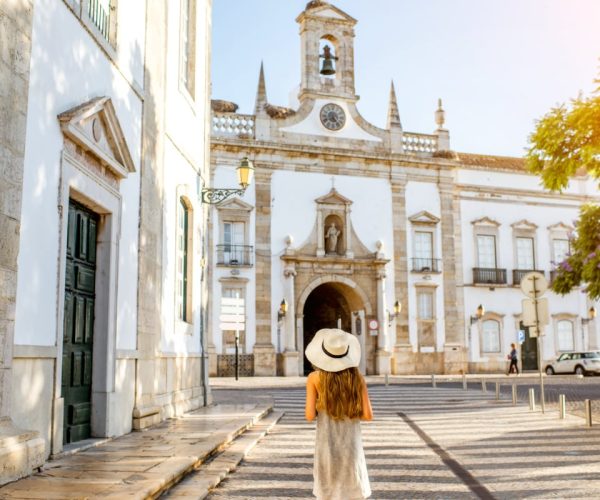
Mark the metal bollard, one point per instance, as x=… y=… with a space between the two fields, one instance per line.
x=562 y=406
x=532 y=399
x=464 y=381
x=514 y=395
x=588 y=413
x=497 y=391
x=386 y=379
x=433 y=382
x=483 y=386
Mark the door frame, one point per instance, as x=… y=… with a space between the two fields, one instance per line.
x=80 y=184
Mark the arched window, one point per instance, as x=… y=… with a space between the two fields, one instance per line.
x=490 y=341
x=564 y=332
x=183 y=264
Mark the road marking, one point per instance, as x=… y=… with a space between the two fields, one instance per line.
x=459 y=471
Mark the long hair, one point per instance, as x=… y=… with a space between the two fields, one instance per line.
x=340 y=393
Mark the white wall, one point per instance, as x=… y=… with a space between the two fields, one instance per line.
x=68 y=69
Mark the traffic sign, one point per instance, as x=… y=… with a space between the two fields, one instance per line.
x=529 y=314
x=534 y=285
x=521 y=336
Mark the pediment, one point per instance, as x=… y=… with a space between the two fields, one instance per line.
x=485 y=221
x=524 y=224
x=327 y=11
x=424 y=217
x=561 y=226
x=333 y=198
x=95 y=127
x=235 y=204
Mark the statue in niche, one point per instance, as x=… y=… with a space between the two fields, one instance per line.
x=331 y=238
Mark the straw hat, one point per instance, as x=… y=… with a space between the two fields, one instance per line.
x=333 y=350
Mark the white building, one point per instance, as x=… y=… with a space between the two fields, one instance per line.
x=110 y=296
x=347 y=223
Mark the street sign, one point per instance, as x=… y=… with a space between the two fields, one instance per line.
x=534 y=285
x=232 y=315
x=529 y=314
x=521 y=336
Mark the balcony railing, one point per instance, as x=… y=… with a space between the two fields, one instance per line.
x=419 y=143
x=489 y=276
x=99 y=16
x=420 y=265
x=234 y=255
x=232 y=125
x=519 y=273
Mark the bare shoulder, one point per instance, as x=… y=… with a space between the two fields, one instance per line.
x=313 y=378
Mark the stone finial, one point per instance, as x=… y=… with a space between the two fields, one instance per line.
x=289 y=240
x=440 y=115
x=393 y=120
x=261 y=93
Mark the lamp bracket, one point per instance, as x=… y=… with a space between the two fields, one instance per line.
x=217 y=195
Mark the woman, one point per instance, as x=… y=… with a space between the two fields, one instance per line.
x=513 y=360
x=336 y=394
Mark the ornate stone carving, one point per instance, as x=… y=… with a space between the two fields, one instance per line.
x=331 y=239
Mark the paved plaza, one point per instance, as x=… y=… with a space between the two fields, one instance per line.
x=425 y=442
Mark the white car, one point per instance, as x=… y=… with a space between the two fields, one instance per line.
x=580 y=363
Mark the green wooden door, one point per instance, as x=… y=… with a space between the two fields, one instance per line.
x=78 y=332
x=529 y=354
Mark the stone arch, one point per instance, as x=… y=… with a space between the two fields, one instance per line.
x=332 y=278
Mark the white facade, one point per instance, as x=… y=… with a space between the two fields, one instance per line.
x=408 y=212
x=97 y=108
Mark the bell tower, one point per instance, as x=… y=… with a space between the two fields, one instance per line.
x=327 y=44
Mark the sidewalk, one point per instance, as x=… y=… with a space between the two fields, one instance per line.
x=141 y=464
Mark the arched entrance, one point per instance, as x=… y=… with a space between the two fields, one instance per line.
x=333 y=305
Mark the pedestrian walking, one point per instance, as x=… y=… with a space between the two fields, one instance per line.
x=513 y=360
x=336 y=395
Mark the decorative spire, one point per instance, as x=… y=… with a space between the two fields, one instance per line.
x=261 y=93
x=393 y=120
x=440 y=116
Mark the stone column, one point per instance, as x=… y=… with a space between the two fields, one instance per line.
x=455 y=356
x=264 y=352
x=146 y=411
x=404 y=358
x=383 y=354
x=291 y=354
x=20 y=451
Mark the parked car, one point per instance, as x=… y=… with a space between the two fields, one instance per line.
x=580 y=363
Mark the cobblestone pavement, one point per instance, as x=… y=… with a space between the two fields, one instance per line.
x=443 y=443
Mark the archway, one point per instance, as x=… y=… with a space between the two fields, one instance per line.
x=332 y=305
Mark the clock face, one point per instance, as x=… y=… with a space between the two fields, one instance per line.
x=333 y=116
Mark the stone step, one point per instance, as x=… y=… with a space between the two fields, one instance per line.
x=208 y=475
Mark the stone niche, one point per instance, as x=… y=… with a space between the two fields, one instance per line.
x=334 y=232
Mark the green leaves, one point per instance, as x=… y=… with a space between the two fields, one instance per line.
x=564 y=144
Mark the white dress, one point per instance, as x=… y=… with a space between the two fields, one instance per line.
x=340 y=471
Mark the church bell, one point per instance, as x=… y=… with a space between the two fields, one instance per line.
x=327 y=68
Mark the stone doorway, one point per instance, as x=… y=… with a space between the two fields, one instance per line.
x=333 y=305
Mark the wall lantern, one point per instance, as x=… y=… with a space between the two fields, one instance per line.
x=591 y=315
x=478 y=314
x=282 y=310
x=245 y=172
x=395 y=314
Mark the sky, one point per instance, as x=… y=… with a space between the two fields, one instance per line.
x=498 y=65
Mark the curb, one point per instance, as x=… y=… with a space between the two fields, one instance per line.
x=219 y=442
x=208 y=475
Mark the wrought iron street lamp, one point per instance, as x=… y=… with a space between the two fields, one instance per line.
x=245 y=172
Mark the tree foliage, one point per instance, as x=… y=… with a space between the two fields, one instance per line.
x=565 y=144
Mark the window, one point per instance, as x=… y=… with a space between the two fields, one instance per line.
x=564 y=332
x=425 y=305
x=490 y=341
x=525 y=259
x=182 y=257
x=233 y=309
x=188 y=44
x=423 y=245
x=560 y=249
x=101 y=14
x=486 y=251
x=234 y=251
